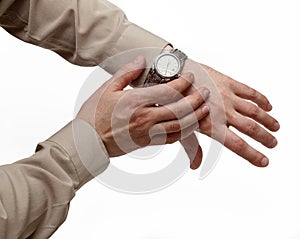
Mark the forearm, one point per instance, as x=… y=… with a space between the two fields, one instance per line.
x=35 y=192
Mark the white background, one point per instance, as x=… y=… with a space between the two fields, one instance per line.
x=256 y=42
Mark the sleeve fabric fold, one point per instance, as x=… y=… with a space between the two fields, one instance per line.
x=35 y=192
x=83 y=32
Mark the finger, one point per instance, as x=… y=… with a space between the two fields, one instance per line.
x=240 y=147
x=250 y=110
x=167 y=93
x=170 y=138
x=249 y=93
x=252 y=129
x=128 y=73
x=173 y=126
x=193 y=150
x=179 y=109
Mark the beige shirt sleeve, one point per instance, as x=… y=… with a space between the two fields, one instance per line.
x=83 y=32
x=35 y=192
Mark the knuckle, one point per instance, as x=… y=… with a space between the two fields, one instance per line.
x=141 y=119
x=239 y=145
x=130 y=103
x=225 y=94
x=145 y=142
x=231 y=117
x=187 y=76
x=197 y=97
x=178 y=112
x=230 y=82
x=172 y=138
x=174 y=127
x=251 y=128
x=177 y=88
x=174 y=93
x=253 y=111
x=133 y=99
x=252 y=93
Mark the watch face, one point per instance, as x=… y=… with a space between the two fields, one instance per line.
x=167 y=65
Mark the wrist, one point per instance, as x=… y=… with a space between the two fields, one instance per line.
x=166 y=67
x=150 y=55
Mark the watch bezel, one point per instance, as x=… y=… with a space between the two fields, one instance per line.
x=168 y=54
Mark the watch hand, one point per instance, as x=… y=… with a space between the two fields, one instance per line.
x=167 y=67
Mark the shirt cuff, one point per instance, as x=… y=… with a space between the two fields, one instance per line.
x=134 y=41
x=85 y=148
x=135 y=37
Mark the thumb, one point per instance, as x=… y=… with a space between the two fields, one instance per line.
x=128 y=73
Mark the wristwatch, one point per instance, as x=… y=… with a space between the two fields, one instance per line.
x=166 y=67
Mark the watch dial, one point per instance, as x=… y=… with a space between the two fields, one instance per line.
x=167 y=65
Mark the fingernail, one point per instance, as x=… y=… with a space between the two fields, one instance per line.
x=138 y=60
x=206 y=93
x=269 y=107
x=205 y=109
x=189 y=76
x=276 y=126
x=264 y=162
x=192 y=165
x=274 y=143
